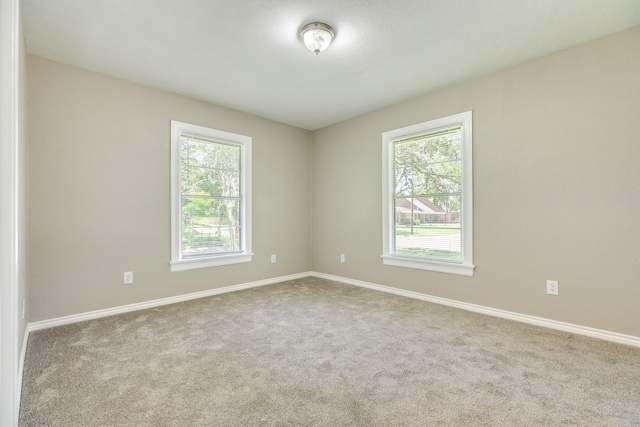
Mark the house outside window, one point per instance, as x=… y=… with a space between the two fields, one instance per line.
x=427 y=196
x=210 y=197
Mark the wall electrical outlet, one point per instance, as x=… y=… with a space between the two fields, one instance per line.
x=128 y=277
x=552 y=287
x=273 y=258
x=342 y=259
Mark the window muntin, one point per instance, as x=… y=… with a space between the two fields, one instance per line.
x=210 y=197
x=427 y=195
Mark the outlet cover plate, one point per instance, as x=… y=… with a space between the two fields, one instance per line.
x=128 y=277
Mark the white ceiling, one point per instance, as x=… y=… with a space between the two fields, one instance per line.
x=247 y=55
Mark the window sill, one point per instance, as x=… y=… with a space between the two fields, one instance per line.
x=192 y=264
x=422 y=264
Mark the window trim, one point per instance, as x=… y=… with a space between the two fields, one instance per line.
x=177 y=263
x=465 y=267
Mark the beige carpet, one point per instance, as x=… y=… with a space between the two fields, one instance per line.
x=316 y=353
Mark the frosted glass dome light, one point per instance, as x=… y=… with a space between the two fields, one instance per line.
x=317 y=36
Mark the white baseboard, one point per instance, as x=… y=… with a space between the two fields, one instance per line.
x=81 y=317
x=23 y=353
x=524 y=318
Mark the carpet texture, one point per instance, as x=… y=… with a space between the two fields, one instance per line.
x=311 y=352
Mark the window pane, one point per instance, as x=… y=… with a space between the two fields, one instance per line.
x=210 y=226
x=428 y=188
x=428 y=227
x=429 y=164
x=210 y=154
x=210 y=183
x=209 y=167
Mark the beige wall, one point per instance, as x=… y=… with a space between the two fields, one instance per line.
x=556 y=188
x=99 y=195
x=556 y=182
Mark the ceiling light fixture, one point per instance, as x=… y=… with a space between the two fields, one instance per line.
x=317 y=36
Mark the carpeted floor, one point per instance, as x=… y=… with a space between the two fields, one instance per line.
x=311 y=352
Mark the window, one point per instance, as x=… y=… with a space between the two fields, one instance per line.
x=427 y=196
x=210 y=197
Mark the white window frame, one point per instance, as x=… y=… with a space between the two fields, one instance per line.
x=465 y=267
x=177 y=263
